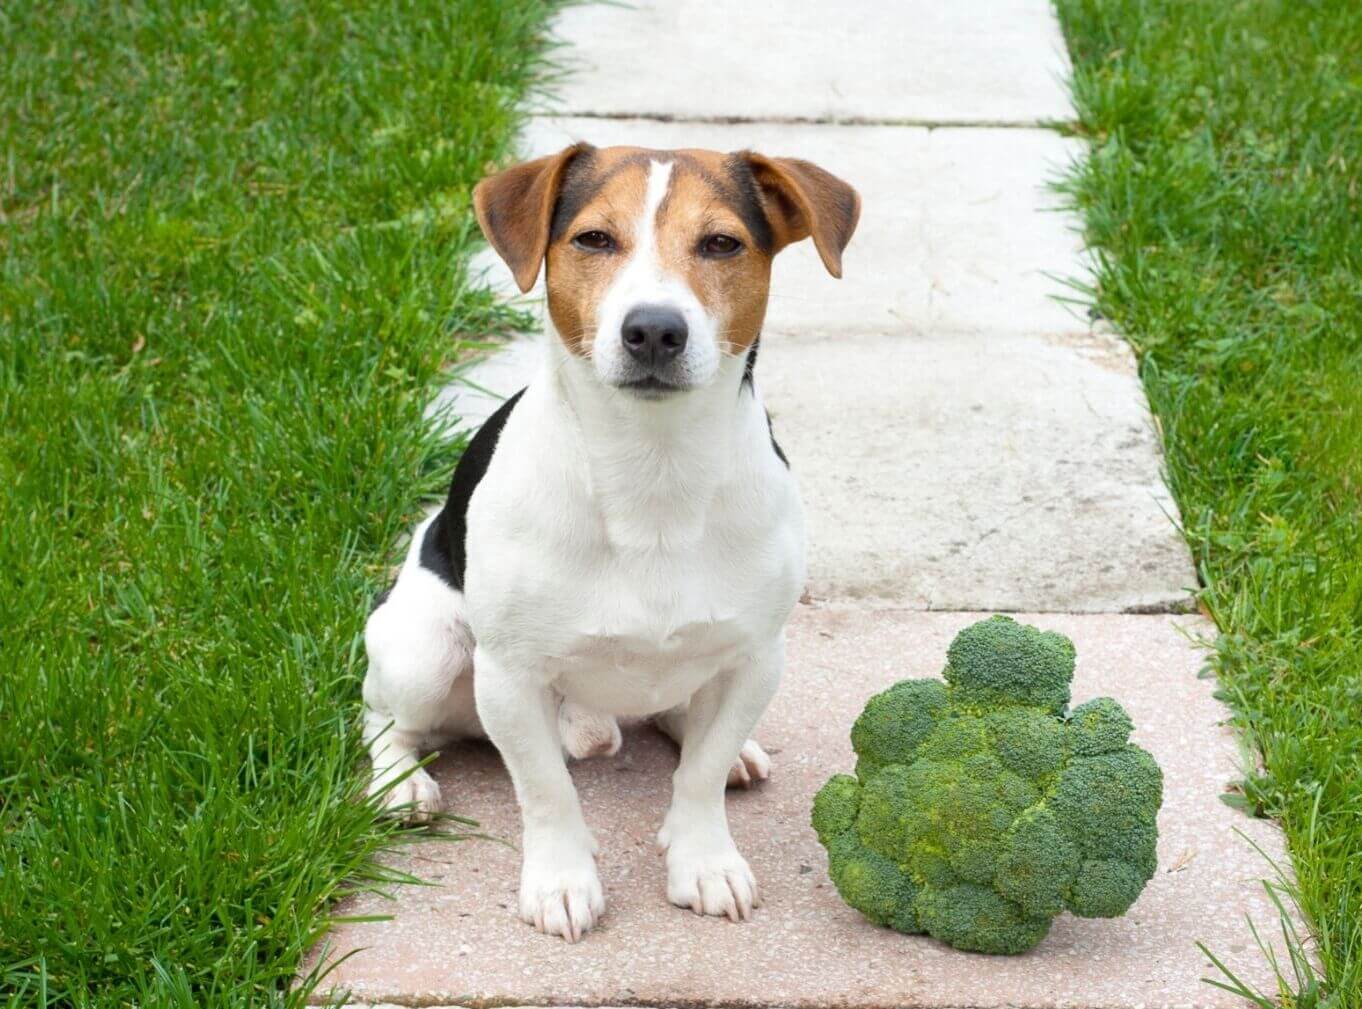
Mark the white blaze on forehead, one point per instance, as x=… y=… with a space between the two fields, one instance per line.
x=645 y=234
x=642 y=278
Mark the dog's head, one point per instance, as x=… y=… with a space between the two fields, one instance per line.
x=658 y=263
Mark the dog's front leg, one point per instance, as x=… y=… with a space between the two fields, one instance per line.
x=560 y=892
x=704 y=870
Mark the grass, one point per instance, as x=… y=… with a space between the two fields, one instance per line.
x=232 y=263
x=1224 y=192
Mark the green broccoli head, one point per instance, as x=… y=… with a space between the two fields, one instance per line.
x=999 y=662
x=979 y=810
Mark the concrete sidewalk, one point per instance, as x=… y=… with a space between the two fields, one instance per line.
x=460 y=941
x=996 y=453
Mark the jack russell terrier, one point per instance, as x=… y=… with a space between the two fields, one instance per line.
x=623 y=536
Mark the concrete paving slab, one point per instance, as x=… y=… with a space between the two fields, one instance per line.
x=458 y=940
x=997 y=248
x=958 y=228
x=970 y=61
x=977 y=472
x=969 y=471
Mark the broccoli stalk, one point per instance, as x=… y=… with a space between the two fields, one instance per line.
x=979 y=811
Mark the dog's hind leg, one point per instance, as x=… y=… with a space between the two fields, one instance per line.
x=587 y=733
x=394 y=753
x=418 y=691
x=752 y=765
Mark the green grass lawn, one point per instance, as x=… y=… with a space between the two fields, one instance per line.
x=1225 y=194
x=232 y=248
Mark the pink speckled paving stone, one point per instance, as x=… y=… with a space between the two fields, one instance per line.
x=458 y=941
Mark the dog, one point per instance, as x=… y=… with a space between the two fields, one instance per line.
x=623 y=537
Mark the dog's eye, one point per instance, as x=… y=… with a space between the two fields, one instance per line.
x=720 y=246
x=594 y=241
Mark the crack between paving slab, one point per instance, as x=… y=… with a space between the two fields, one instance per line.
x=511 y=1003
x=1180 y=606
x=1062 y=125
x=1160 y=607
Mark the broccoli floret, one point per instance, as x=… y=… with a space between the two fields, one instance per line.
x=1098 y=726
x=1028 y=742
x=1038 y=864
x=999 y=662
x=895 y=722
x=978 y=919
x=979 y=811
x=835 y=807
x=1106 y=887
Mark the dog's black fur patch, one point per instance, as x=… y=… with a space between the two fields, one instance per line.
x=775 y=444
x=748 y=371
x=435 y=557
x=578 y=183
x=746 y=197
x=750 y=366
x=443 y=550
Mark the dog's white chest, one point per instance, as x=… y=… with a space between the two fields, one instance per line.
x=635 y=632
x=639 y=633
x=646 y=671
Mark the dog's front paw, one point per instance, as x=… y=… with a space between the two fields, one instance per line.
x=560 y=892
x=710 y=877
x=416 y=798
x=752 y=765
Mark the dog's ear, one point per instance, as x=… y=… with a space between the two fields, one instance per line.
x=800 y=199
x=515 y=210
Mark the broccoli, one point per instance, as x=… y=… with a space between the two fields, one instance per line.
x=980 y=810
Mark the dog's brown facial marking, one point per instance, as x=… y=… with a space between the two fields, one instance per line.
x=593 y=234
x=712 y=231
x=690 y=233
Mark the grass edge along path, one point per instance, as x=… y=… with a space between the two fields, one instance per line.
x=1221 y=195
x=233 y=241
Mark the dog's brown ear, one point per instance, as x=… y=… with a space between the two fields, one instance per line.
x=800 y=199
x=515 y=210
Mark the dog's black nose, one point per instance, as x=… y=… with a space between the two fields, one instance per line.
x=653 y=335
